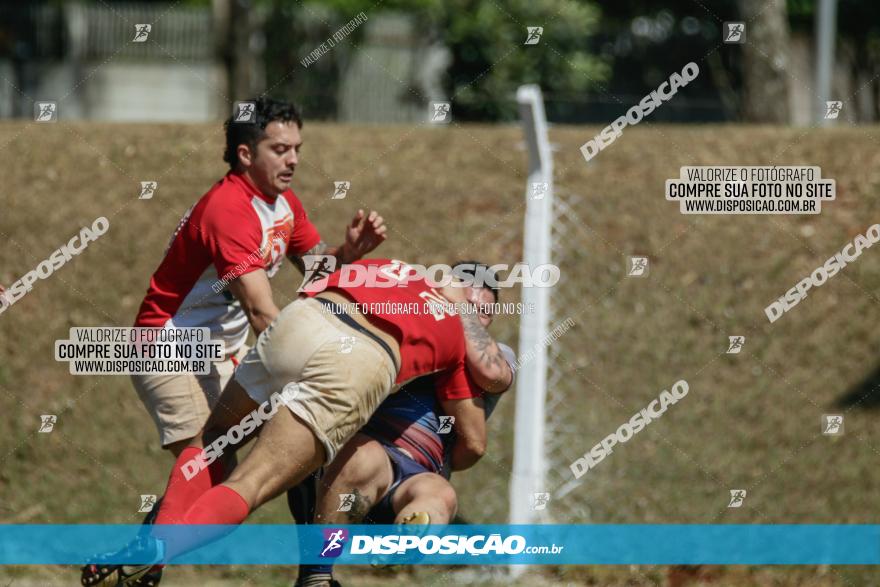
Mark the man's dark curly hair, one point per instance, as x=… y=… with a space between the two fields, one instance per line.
x=250 y=133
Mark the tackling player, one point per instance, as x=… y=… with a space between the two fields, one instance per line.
x=334 y=398
x=396 y=469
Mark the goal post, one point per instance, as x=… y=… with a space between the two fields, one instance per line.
x=529 y=459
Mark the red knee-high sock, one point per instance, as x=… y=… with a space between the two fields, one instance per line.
x=220 y=507
x=181 y=493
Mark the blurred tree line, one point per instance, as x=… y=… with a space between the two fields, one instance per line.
x=594 y=60
x=598 y=57
x=485 y=40
x=751 y=82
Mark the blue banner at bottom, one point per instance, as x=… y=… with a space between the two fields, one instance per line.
x=721 y=544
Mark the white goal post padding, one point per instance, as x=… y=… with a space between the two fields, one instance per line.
x=529 y=459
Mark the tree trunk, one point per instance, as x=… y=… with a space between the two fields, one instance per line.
x=765 y=61
x=235 y=25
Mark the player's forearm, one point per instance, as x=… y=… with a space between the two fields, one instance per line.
x=261 y=318
x=342 y=253
x=253 y=292
x=466 y=452
x=485 y=361
x=469 y=424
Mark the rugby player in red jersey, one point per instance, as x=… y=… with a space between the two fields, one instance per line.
x=396 y=469
x=216 y=270
x=334 y=397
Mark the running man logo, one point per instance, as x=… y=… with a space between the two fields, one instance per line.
x=346 y=343
x=334 y=540
x=346 y=501
x=533 y=35
x=446 y=423
x=637 y=267
x=148 y=188
x=737 y=496
x=141 y=32
x=832 y=109
x=244 y=112
x=45 y=112
x=539 y=190
x=735 y=344
x=340 y=190
x=441 y=113
x=317 y=269
x=540 y=501
x=147 y=503
x=47 y=423
x=735 y=32
x=832 y=424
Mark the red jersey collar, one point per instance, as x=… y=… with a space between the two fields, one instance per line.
x=244 y=183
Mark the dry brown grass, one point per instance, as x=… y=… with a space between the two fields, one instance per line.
x=750 y=420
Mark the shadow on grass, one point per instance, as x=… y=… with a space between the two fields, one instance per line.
x=864 y=395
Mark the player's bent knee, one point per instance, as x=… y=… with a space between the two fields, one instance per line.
x=430 y=493
x=447 y=500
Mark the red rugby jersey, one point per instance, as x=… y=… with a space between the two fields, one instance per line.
x=430 y=342
x=232 y=230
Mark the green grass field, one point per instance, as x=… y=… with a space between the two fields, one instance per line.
x=750 y=420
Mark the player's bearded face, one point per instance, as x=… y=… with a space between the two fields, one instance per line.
x=276 y=157
x=483 y=298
